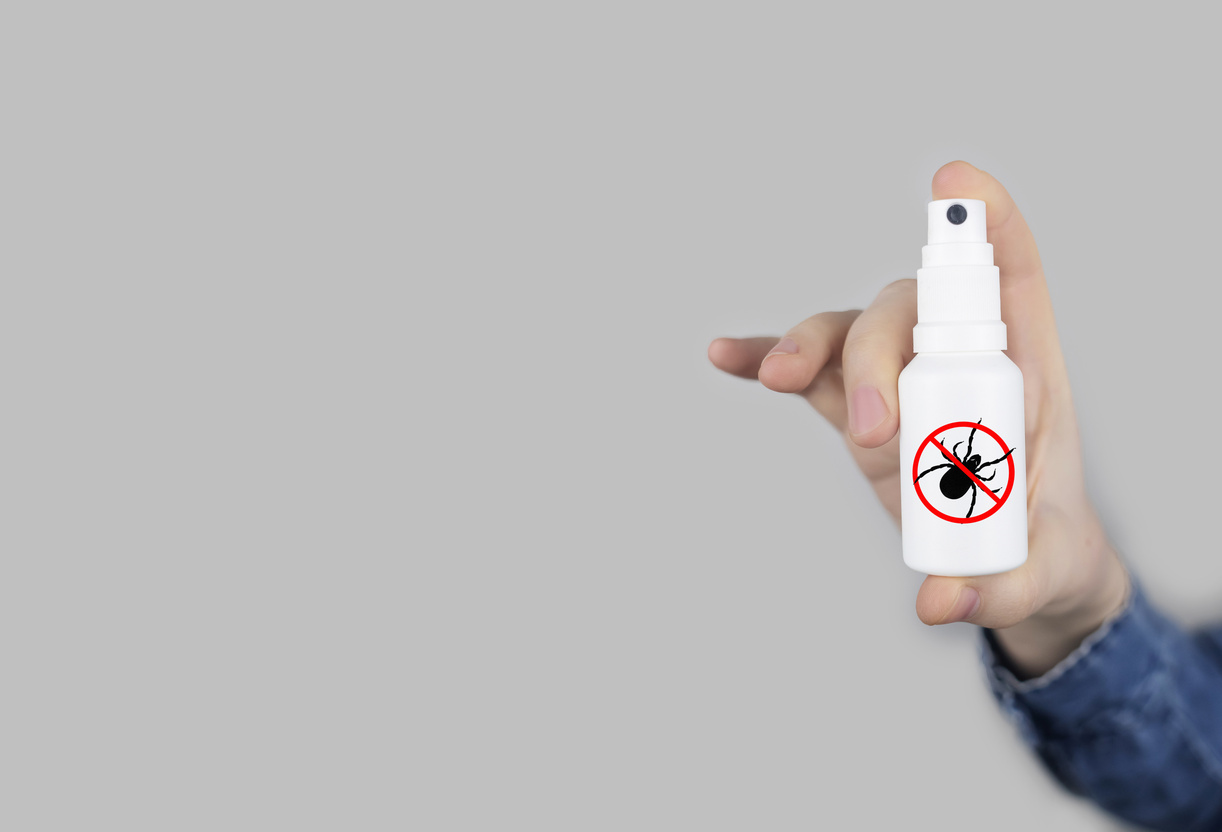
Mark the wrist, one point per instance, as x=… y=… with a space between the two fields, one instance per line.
x=1096 y=589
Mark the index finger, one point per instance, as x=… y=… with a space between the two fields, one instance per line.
x=1025 y=304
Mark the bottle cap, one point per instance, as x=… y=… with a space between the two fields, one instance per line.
x=958 y=287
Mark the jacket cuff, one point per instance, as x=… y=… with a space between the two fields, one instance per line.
x=1109 y=671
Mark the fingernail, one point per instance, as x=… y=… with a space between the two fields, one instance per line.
x=867 y=410
x=786 y=346
x=965 y=606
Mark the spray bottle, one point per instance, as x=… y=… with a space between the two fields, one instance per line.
x=962 y=434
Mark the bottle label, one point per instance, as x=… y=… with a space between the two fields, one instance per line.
x=963 y=472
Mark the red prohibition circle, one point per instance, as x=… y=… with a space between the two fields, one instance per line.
x=916 y=469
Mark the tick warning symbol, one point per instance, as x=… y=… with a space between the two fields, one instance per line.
x=963 y=472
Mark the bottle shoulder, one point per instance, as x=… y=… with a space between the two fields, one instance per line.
x=992 y=363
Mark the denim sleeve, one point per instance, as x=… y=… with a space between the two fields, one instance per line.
x=1132 y=719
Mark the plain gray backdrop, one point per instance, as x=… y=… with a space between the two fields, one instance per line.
x=363 y=466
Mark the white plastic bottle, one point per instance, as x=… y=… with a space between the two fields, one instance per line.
x=962 y=435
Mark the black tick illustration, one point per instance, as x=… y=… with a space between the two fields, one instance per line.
x=954 y=483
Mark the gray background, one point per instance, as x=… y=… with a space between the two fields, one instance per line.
x=363 y=467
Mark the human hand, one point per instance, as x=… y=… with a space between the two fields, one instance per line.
x=847 y=365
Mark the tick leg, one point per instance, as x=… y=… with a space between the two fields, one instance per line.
x=972 y=507
x=970 y=437
x=955 y=450
x=995 y=461
x=989 y=478
x=936 y=467
x=942 y=447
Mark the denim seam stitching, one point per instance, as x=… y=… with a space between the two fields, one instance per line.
x=1066 y=664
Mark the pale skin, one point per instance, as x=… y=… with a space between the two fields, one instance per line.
x=847 y=365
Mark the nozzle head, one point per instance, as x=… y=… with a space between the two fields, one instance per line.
x=957 y=221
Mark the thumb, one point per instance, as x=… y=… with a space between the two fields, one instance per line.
x=995 y=601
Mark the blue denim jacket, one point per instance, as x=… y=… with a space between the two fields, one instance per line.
x=1132 y=719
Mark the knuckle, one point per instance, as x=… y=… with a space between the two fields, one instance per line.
x=871 y=343
x=1014 y=599
x=863 y=351
x=820 y=322
x=1030 y=594
x=880 y=334
x=903 y=288
x=826 y=329
x=830 y=321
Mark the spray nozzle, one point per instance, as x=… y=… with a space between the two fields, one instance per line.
x=957 y=221
x=958 y=293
